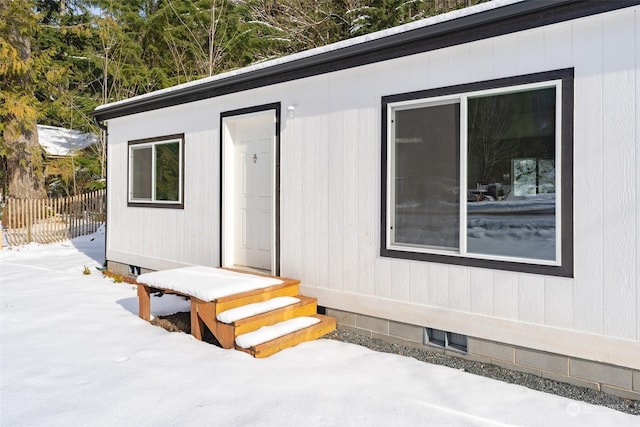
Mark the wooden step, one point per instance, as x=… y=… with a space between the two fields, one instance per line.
x=324 y=325
x=260 y=329
x=305 y=306
x=256 y=308
x=206 y=312
x=289 y=287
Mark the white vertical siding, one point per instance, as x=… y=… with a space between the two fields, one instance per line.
x=482 y=67
x=383 y=280
x=460 y=289
x=558 y=46
x=438 y=285
x=287 y=171
x=309 y=108
x=637 y=183
x=335 y=233
x=619 y=163
x=505 y=295
x=165 y=234
x=531 y=51
x=291 y=189
x=400 y=273
x=200 y=193
x=531 y=298
x=321 y=190
x=368 y=188
x=482 y=292
x=350 y=168
x=331 y=171
x=558 y=302
x=505 y=55
x=419 y=282
x=587 y=166
x=461 y=63
x=438 y=70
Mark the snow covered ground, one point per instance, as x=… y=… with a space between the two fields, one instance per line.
x=74 y=352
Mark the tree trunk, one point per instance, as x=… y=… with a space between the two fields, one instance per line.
x=24 y=164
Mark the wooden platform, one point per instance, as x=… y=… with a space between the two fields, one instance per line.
x=205 y=314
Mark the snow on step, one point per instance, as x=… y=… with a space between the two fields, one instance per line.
x=268 y=333
x=230 y=316
x=206 y=283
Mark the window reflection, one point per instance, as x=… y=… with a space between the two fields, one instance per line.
x=168 y=171
x=511 y=187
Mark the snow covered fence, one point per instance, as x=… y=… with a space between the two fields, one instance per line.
x=52 y=220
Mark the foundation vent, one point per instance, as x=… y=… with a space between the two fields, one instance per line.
x=446 y=340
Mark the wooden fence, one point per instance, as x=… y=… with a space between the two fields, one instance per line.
x=52 y=220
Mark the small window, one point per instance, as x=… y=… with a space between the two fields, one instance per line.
x=156 y=172
x=481 y=174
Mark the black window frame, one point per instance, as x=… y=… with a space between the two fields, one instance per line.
x=152 y=142
x=565 y=269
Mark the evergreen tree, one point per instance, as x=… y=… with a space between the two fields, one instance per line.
x=59 y=59
x=23 y=174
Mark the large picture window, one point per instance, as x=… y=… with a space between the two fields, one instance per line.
x=480 y=174
x=156 y=172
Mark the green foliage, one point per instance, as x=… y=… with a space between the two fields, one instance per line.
x=22 y=157
x=375 y=15
x=17 y=103
x=167 y=171
x=98 y=51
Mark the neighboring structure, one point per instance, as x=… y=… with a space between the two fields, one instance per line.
x=61 y=146
x=471 y=180
x=62 y=142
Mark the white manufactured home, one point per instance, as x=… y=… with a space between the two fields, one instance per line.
x=470 y=181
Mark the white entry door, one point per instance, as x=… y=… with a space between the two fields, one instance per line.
x=249 y=191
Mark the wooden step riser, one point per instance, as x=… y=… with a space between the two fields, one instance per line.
x=285 y=283
x=326 y=325
x=306 y=307
x=240 y=300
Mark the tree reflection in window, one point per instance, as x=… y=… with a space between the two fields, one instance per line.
x=511 y=208
x=168 y=171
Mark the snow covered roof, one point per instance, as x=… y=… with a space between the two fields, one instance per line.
x=58 y=141
x=477 y=22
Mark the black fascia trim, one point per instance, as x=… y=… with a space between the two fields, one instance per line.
x=490 y=23
x=277 y=107
x=566 y=209
x=154 y=205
